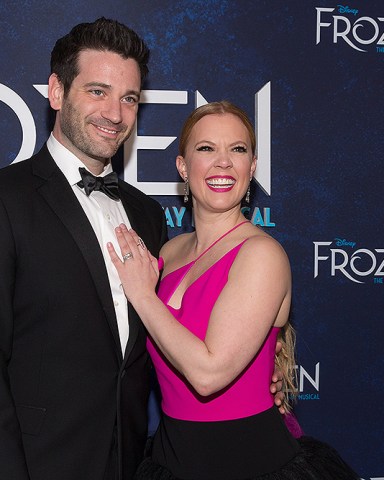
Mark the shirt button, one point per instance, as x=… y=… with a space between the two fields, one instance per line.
x=116 y=303
x=108 y=217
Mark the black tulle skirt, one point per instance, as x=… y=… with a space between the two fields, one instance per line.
x=315 y=461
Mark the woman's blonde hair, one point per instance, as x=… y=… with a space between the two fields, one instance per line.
x=285 y=361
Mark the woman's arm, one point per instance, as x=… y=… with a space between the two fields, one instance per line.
x=256 y=296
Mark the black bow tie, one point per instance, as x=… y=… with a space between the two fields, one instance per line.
x=107 y=184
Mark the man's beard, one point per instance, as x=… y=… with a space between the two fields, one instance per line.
x=73 y=127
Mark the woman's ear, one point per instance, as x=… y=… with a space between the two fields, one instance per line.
x=181 y=167
x=55 y=92
x=253 y=165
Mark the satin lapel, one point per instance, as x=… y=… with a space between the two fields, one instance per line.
x=138 y=222
x=70 y=212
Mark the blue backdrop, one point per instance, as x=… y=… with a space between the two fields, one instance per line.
x=310 y=74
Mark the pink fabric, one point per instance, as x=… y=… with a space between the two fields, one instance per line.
x=160 y=263
x=293 y=425
x=246 y=396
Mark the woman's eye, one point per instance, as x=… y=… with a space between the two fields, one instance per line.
x=204 y=148
x=240 y=148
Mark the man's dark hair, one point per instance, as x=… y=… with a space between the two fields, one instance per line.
x=104 y=35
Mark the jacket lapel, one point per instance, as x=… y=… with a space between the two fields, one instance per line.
x=154 y=234
x=134 y=215
x=59 y=195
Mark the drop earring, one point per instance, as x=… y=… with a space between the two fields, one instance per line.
x=186 y=189
x=248 y=194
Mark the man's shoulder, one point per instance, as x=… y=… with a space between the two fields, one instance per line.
x=15 y=175
x=22 y=167
x=23 y=177
x=15 y=168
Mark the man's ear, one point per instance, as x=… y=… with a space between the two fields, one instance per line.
x=55 y=92
x=181 y=167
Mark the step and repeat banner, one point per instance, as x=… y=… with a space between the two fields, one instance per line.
x=310 y=74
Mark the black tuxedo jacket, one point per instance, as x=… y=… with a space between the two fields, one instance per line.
x=65 y=389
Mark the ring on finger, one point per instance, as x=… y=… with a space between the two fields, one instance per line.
x=141 y=243
x=127 y=256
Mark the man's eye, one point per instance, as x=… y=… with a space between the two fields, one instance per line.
x=204 y=148
x=98 y=93
x=130 y=99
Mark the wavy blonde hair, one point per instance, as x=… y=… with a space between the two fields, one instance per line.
x=285 y=361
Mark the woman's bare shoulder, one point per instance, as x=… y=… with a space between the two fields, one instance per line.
x=262 y=247
x=175 y=245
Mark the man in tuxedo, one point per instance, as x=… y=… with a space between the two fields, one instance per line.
x=74 y=368
x=74 y=371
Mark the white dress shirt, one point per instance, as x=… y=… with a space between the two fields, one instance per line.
x=104 y=215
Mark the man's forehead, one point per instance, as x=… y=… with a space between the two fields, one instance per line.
x=108 y=67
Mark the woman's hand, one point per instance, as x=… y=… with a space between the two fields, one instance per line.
x=276 y=387
x=137 y=268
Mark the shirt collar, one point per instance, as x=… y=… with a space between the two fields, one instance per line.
x=68 y=163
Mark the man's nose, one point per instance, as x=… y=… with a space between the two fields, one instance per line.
x=112 y=110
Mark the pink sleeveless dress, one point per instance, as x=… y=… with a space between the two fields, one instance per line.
x=250 y=391
x=234 y=434
x=195 y=427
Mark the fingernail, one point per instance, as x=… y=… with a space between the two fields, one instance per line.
x=160 y=263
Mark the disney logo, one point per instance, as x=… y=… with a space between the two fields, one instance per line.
x=343 y=243
x=346 y=9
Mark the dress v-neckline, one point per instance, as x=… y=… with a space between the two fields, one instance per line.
x=189 y=265
x=218 y=240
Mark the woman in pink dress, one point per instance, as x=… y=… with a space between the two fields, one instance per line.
x=223 y=300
